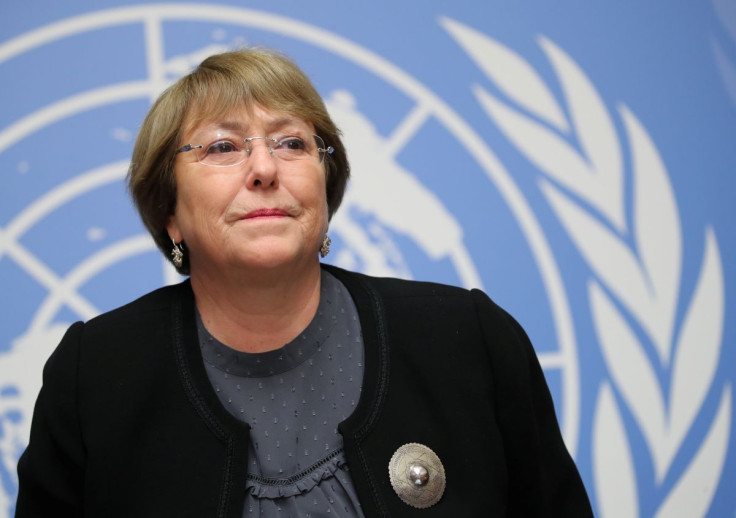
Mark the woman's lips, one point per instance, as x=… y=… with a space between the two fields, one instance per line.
x=265 y=213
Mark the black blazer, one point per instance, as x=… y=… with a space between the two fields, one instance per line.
x=128 y=425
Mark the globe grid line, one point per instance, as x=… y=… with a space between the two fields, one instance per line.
x=64 y=108
x=84 y=271
x=39 y=209
x=407 y=128
x=154 y=45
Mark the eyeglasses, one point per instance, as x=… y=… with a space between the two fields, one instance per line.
x=229 y=152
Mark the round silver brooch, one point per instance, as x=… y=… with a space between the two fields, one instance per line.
x=417 y=475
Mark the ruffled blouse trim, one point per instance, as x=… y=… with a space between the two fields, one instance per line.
x=299 y=484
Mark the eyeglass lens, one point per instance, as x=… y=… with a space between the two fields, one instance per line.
x=225 y=152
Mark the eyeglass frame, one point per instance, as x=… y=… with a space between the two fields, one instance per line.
x=322 y=151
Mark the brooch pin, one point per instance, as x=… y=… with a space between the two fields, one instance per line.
x=417 y=475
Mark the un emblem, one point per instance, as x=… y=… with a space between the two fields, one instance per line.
x=428 y=195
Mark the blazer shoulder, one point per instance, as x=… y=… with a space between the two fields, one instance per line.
x=391 y=287
x=489 y=311
x=435 y=300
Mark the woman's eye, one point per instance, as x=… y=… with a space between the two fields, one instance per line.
x=221 y=148
x=292 y=144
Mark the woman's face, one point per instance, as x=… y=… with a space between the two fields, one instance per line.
x=266 y=212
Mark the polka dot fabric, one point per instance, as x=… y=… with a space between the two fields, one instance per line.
x=293 y=398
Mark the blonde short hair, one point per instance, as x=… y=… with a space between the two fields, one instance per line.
x=221 y=83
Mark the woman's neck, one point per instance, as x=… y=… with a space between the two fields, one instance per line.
x=258 y=311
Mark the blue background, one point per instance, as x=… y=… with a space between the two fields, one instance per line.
x=657 y=58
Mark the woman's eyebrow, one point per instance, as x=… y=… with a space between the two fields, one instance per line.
x=282 y=121
x=206 y=130
x=241 y=127
x=230 y=125
x=286 y=123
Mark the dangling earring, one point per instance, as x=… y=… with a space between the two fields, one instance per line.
x=325 y=248
x=177 y=254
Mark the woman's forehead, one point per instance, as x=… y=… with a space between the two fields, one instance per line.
x=243 y=119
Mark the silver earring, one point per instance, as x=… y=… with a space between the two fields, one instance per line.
x=325 y=248
x=177 y=254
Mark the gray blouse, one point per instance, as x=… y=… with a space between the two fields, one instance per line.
x=293 y=398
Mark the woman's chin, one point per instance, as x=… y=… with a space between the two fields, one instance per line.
x=269 y=256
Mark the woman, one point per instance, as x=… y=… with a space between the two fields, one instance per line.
x=268 y=384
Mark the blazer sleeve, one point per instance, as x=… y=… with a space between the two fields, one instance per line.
x=51 y=470
x=543 y=479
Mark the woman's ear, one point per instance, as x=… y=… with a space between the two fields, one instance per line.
x=173 y=229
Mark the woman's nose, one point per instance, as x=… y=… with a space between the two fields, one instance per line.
x=261 y=166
